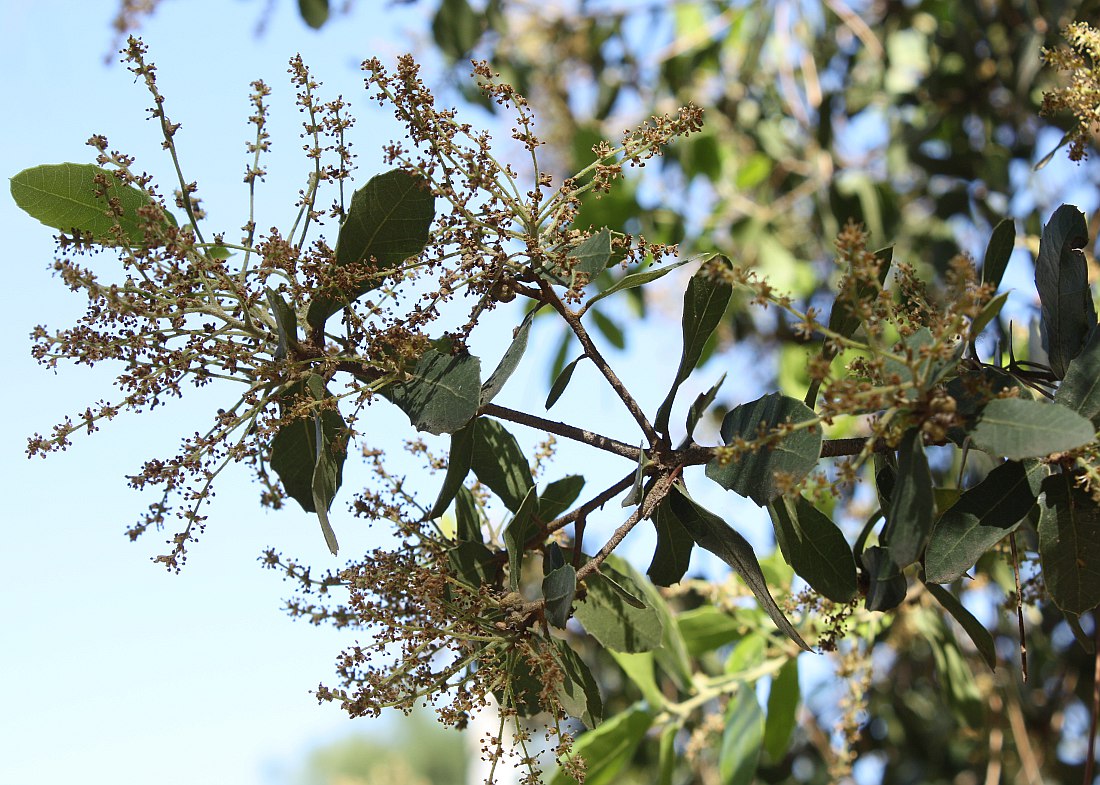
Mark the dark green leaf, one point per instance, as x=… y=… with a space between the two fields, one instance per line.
x=742 y=739
x=981 y=518
x=308 y=454
x=561 y=382
x=472 y=563
x=671 y=655
x=591 y=256
x=715 y=535
x=286 y=322
x=63 y=196
x=519 y=530
x=558 y=589
x=707 y=628
x=791 y=454
x=783 y=699
x=998 y=252
x=982 y=638
x=441 y=394
x=1073 y=621
x=1018 y=428
x=636 y=279
x=705 y=301
x=467 y=519
x=814 y=546
x=511 y=359
x=952 y=671
x=500 y=465
x=616 y=623
x=1080 y=390
x=314 y=12
x=578 y=692
x=1061 y=276
x=634 y=495
x=922 y=368
x=609 y=747
x=559 y=496
x=700 y=405
x=1069 y=544
x=456 y=28
x=672 y=555
x=458 y=466
x=387 y=222
x=522 y=687
x=608 y=329
x=912 y=509
x=988 y=314
x=886 y=585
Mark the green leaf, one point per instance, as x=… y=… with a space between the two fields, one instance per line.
x=814 y=546
x=1018 y=428
x=748 y=655
x=672 y=554
x=791 y=454
x=614 y=622
x=308 y=454
x=558 y=589
x=742 y=739
x=912 y=508
x=456 y=28
x=998 y=252
x=982 y=517
x=608 y=748
x=467 y=519
x=441 y=394
x=592 y=256
x=500 y=465
x=988 y=314
x=608 y=329
x=715 y=535
x=519 y=530
x=923 y=367
x=472 y=563
x=843 y=318
x=707 y=628
x=314 y=12
x=63 y=196
x=636 y=279
x=953 y=673
x=705 y=301
x=671 y=655
x=1080 y=390
x=1069 y=544
x=387 y=222
x=783 y=700
x=1061 y=276
x=561 y=382
x=578 y=692
x=982 y=638
x=700 y=405
x=458 y=466
x=666 y=754
x=286 y=322
x=509 y=361
x=639 y=669
x=559 y=496
x=635 y=494
x=886 y=585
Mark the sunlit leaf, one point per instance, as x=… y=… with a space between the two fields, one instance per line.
x=578 y=692
x=609 y=747
x=614 y=622
x=441 y=393
x=742 y=739
x=783 y=699
x=1018 y=428
x=637 y=279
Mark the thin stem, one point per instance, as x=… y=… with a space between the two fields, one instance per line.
x=563 y=429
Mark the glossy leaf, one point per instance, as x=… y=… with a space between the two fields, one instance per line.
x=814 y=546
x=672 y=554
x=982 y=638
x=500 y=464
x=314 y=12
x=1018 y=428
x=705 y=301
x=912 y=509
x=512 y=355
x=791 y=454
x=1080 y=390
x=388 y=221
x=609 y=747
x=1061 y=276
x=561 y=382
x=982 y=517
x=636 y=279
x=559 y=496
x=558 y=589
x=1069 y=544
x=700 y=405
x=783 y=699
x=614 y=622
x=286 y=323
x=459 y=462
x=63 y=196
x=519 y=530
x=578 y=692
x=441 y=394
x=742 y=739
x=308 y=454
x=715 y=535
x=998 y=252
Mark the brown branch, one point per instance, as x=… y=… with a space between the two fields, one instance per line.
x=563 y=429
x=590 y=506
